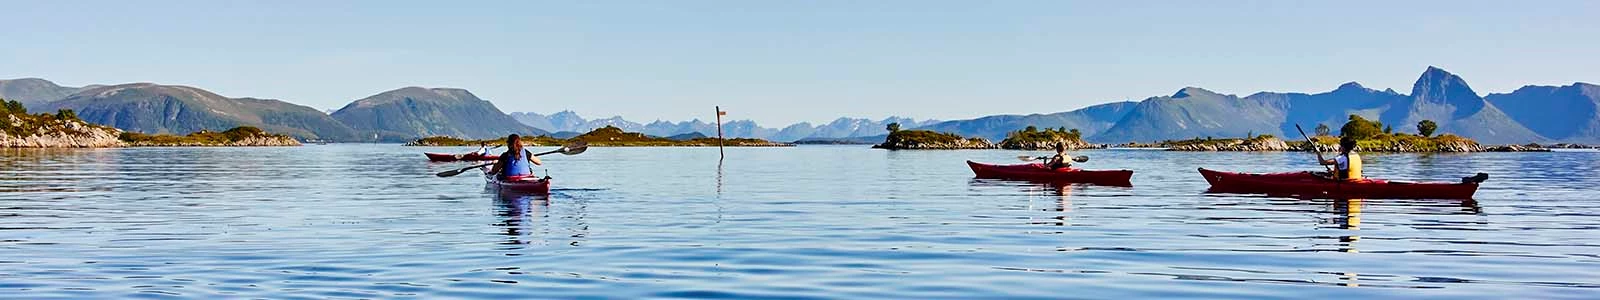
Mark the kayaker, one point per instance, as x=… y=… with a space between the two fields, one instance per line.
x=1347 y=165
x=483 y=150
x=1061 y=159
x=514 y=163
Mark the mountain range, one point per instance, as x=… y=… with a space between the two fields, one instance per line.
x=1529 y=114
x=568 y=121
x=1568 y=113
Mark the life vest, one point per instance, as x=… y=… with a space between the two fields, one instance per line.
x=518 y=166
x=1351 y=167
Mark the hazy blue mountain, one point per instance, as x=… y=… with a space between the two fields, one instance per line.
x=1089 y=120
x=686 y=136
x=1331 y=108
x=745 y=129
x=859 y=140
x=1437 y=95
x=571 y=121
x=414 y=112
x=795 y=132
x=842 y=127
x=1563 y=113
x=1195 y=112
x=1446 y=99
x=33 y=91
x=153 y=108
x=535 y=120
x=856 y=127
x=664 y=128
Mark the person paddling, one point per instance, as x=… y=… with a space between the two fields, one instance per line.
x=514 y=164
x=483 y=150
x=1347 y=165
x=1061 y=159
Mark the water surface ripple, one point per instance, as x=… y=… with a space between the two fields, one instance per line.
x=370 y=221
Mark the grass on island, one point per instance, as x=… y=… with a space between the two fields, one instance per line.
x=1391 y=141
x=203 y=137
x=926 y=137
x=608 y=136
x=1031 y=138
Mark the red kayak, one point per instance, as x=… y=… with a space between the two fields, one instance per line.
x=1039 y=173
x=442 y=157
x=528 y=185
x=1308 y=185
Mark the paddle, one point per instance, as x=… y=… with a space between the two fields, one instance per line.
x=570 y=149
x=1079 y=158
x=1313 y=145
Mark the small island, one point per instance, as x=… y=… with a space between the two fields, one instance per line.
x=608 y=136
x=242 y=136
x=63 y=129
x=928 y=139
x=1031 y=138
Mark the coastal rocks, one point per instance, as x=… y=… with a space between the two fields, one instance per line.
x=1516 y=148
x=1254 y=144
x=254 y=141
x=1072 y=144
x=57 y=134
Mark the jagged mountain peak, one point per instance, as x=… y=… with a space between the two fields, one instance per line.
x=1439 y=86
x=1187 y=92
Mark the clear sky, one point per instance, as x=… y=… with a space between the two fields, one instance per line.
x=779 y=62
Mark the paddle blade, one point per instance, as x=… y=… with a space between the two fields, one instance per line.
x=575 y=148
x=1027 y=158
x=1081 y=158
x=450 y=173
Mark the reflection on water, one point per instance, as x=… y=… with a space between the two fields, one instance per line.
x=371 y=221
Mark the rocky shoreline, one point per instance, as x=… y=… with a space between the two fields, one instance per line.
x=1272 y=144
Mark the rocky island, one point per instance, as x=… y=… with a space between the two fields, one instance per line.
x=242 y=136
x=18 y=129
x=63 y=129
x=1031 y=138
x=608 y=136
x=928 y=139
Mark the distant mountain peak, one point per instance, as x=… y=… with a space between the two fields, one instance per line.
x=1439 y=86
x=1350 y=87
x=1193 y=91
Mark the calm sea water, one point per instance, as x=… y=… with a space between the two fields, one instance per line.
x=371 y=221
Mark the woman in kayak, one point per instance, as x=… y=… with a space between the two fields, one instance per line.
x=1061 y=159
x=1348 y=164
x=514 y=164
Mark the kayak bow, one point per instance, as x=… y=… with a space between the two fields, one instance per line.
x=527 y=185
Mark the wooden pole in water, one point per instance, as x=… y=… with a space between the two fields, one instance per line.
x=720 y=153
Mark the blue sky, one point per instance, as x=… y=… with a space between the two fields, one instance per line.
x=779 y=62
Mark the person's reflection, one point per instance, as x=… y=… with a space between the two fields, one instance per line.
x=1351 y=221
x=514 y=211
x=1063 y=194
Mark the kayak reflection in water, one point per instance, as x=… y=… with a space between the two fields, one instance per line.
x=515 y=164
x=1347 y=164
